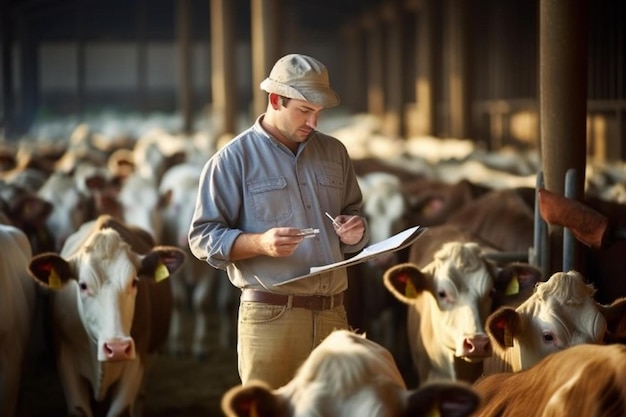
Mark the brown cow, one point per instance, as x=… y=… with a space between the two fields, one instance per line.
x=584 y=380
x=348 y=375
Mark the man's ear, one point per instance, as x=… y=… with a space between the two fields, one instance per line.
x=276 y=101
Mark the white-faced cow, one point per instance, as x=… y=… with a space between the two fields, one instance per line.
x=561 y=313
x=449 y=300
x=584 y=380
x=17 y=303
x=108 y=314
x=348 y=375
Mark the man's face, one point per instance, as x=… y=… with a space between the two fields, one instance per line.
x=297 y=119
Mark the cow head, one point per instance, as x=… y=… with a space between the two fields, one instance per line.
x=104 y=275
x=514 y=284
x=348 y=375
x=454 y=291
x=561 y=313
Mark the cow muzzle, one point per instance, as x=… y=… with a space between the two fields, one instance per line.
x=116 y=350
x=475 y=348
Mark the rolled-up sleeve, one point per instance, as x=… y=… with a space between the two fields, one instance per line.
x=210 y=236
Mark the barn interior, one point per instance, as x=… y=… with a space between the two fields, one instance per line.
x=544 y=82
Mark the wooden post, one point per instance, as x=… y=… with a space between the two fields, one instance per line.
x=457 y=50
x=224 y=91
x=185 y=98
x=266 y=28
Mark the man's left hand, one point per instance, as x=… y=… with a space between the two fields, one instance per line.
x=351 y=229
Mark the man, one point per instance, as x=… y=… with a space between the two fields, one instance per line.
x=255 y=195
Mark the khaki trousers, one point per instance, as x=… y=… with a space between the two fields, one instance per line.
x=273 y=341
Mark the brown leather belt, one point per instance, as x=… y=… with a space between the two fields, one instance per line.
x=311 y=302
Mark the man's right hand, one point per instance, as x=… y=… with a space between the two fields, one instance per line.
x=276 y=242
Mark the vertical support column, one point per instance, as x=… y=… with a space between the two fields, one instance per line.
x=563 y=28
x=7 y=121
x=81 y=58
x=394 y=88
x=427 y=80
x=266 y=26
x=224 y=91
x=459 y=68
x=142 y=55
x=29 y=67
x=183 y=26
x=353 y=59
x=375 y=66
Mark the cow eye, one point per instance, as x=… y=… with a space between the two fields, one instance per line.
x=442 y=294
x=82 y=286
x=548 y=337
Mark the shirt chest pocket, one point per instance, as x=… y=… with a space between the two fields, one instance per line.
x=330 y=186
x=270 y=199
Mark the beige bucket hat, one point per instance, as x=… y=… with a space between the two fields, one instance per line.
x=301 y=77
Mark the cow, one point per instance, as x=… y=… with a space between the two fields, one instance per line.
x=371 y=308
x=141 y=204
x=450 y=295
x=559 y=314
x=504 y=218
x=584 y=380
x=17 y=307
x=109 y=317
x=348 y=375
x=70 y=207
x=197 y=284
x=28 y=212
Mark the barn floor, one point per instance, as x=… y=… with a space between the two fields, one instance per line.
x=181 y=387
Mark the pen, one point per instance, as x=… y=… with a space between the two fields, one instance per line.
x=332 y=219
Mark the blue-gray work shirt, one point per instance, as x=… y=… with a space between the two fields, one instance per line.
x=255 y=183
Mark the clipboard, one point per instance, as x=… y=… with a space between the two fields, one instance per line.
x=394 y=243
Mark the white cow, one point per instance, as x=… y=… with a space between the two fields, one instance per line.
x=560 y=313
x=384 y=206
x=109 y=315
x=449 y=300
x=197 y=284
x=348 y=375
x=141 y=204
x=17 y=303
x=70 y=207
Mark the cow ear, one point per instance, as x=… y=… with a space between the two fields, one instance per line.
x=502 y=325
x=615 y=315
x=255 y=399
x=443 y=399
x=404 y=281
x=50 y=270
x=514 y=283
x=161 y=262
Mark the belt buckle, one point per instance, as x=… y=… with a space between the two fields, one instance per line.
x=316 y=302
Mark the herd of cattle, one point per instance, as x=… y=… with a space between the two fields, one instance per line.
x=96 y=271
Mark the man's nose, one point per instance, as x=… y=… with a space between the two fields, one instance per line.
x=312 y=121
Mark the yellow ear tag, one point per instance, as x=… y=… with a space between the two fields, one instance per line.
x=434 y=412
x=508 y=337
x=409 y=290
x=161 y=272
x=53 y=280
x=513 y=287
x=253 y=411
